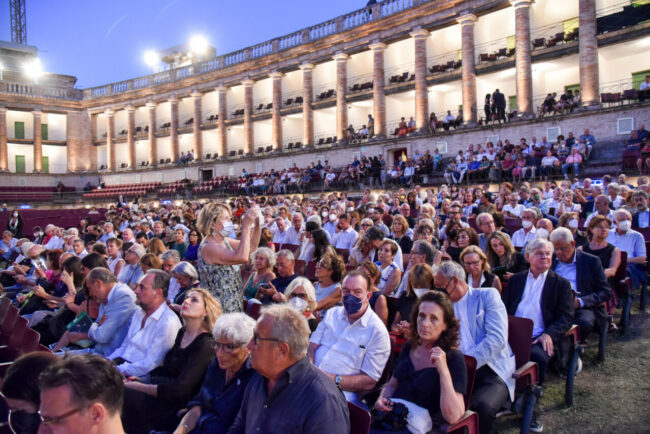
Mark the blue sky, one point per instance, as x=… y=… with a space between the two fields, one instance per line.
x=102 y=42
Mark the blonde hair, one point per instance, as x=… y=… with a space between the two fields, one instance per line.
x=156 y=246
x=212 y=308
x=210 y=212
x=474 y=249
x=402 y=220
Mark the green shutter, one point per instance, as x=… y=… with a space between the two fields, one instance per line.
x=512 y=101
x=20 y=164
x=45 y=164
x=638 y=78
x=572 y=87
x=511 y=42
x=44 y=132
x=19 y=130
x=569 y=26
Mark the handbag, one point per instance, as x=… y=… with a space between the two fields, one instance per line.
x=394 y=420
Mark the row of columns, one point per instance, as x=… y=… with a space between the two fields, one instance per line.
x=588 y=48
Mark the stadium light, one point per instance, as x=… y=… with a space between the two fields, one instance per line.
x=34 y=68
x=151 y=58
x=198 y=45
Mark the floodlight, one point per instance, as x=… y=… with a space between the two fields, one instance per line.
x=151 y=58
x=198 y=45
x=34 y=68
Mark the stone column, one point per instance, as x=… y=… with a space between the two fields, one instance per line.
x=341 y=90
x=307 y=98
x=153 y=140
x=196 y=126
x=4 y=154
x=222 y=136
x=588 y=48
x=378 y=97
x=524 y=71
x=468 y=71
x=130 y=136
x=110 y=137
x=277 y=106
x=421 y=91
x=173 y=130
x=249 y=137
x=38 y=142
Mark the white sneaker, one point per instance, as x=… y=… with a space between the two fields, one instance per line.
x=579 y=366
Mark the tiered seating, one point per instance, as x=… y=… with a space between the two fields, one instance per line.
x=210 y=185
x=326 y=141
x=171 y=189
x=406 y=76
x=29 y=194
x=166 y=125
x=496 y=55
x=360 y=87
x=237 y=113
x=41 y=217
x=325 y=95
x=444 y=67
x=126 y=190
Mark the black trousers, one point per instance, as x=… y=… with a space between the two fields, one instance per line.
x=589 y=320
x=489 y=396
x=539 y=356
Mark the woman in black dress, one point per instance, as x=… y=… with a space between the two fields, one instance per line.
x=487 y=108
x=420 y=280
x=430 y=372
x=610 y=256
x=400 y=228
x=502 y=256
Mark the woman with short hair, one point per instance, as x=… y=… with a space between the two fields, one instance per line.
x=476 y=266
x=390 y=272
x=301 y=295
x=263 y=260
x=329 y=272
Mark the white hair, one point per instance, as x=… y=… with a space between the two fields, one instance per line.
x=306 y=285
x=538 y=243
x=267 y=253
x=560 y=235
x=315 y=219
x=450 y=269
x=237 y=328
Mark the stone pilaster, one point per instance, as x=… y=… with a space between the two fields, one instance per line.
x=341 y=89
x=4 y=154
x=249 y=137
x=130 y=136
x=38 y=142
x=277 y=106
x=110 y=140
x=421 y=91
x=153 y=140
x=524 y=71
x=307 y=99
x=197 y=98
x=173 y=130
x=588 y=49
x=468 y=71
x=81 y=153
x=378 y=96
x=222 y=136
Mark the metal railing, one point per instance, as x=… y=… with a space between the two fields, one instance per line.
x=41 y=91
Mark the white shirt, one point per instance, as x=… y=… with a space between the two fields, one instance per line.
x=292 y=236
x=530 y=305
x=520 y=238
x=351 y=349
x=568 y=271
x=516 y=210
x=345 y=239
x=644 y=85
x=54 y=243
x=466 y=339
x=81 y=255
x=172 y=292
x=280 y=237
x=610 y=216
x=144 y=348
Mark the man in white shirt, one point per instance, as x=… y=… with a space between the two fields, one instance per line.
x=351 y=344
x=281 y=231
x=601 y=207
x=153 y=328
x=513 y=208
x=345 y=236
x=55 y=241
x=108 y=233
x=528 y=231
x=79 y=248
x=293 y=233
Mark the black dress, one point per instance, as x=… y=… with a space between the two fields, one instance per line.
x=405 y=305
x=178 y=379
x=605 y=254
x=519 y=263
x=405 y=243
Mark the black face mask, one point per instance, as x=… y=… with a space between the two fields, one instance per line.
x=443 y=290
x=22 y=422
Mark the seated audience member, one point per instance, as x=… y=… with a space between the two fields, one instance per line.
x=21 y=392
x=431 y=371
x=152 y=403
x=170 y=259
x=179 y=243
x=465 y=237
x=188 y=278
x=485 y=223
x=192 y=252
x=485 y=340
x=284 y=263
x=115 y=311
x=513 y=208
x=421 y=253
x=544 y=297
x=114 y=260
x=571 y=222
x=477 y=268
x=601 y=205
x=86 y=379
x=344 y=236
x=378 y=302
x=263 y=260
x=420 y=280
x=641 y=218
x=214 y=408
x=400 y=228
x=587 y=278
x=317 y=243
x=574 y=160
x=301 y=295
x=149 y=262
x=503 y=259
x=329 y=272
x=527 y=232
x=131 y=272
x=152 y=330
x=303 y=395
x=610 y=256
x=351 y=344
x=390 y=271
x=631 y=242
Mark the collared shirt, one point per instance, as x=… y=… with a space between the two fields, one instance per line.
x=631 y=242
x=144 y=348
x=81 y=255
x=460 y=309
x=345 y=239
x=303 y=400
x=514 y=210
x=530 y=305
x=351 y=349
x=129 y=274
x=54 y=243
x=280 y=237
x=568 y=271
x=292 y=236
x=644 y=219
x=8 y=248
x=117 y=310
x=520 y=238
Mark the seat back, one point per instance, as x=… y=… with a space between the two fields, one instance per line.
x=470 y=363
x=254 y=310
x=8 y=323
x=621 y=271
x=310 y=271
x=359 y=419
x=5 y=303
x=16 y=337
x=520 y=337
x=30 y=342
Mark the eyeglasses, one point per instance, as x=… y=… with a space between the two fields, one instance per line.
x=366 y=225
x=257 y=339
x=226 y=348
x=320 y=264
x=467 y=264
x=58 y=419
x=294 y=295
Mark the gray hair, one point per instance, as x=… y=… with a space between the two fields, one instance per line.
x=73 y=231
x=289 y=326
x=267 y=253
x=237 y=328
x=160 y=280
x=139 y=250
x=187 y=270
x=423 y=247
x=532 y=210
x=450 y=269
x=483 y=215
x=171 y=254
x=104 y=275
x=561 y=235
x=287 y=254
x=315 y=219
x=622 y=211
x=538 y=243
x=306 y=285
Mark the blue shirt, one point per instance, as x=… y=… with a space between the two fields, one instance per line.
x=631 y=242
x=589 y=138
x=8 y=248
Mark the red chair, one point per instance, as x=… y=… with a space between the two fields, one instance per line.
x=359 y=419
x=470 y=418
x=8 y=324
x=26 y=343
x=310 y=271
x=5 y=304
x=254 y=310
x=14 y=339
x=299 y=267
x=345 y=253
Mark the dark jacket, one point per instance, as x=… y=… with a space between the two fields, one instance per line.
x=591 y=284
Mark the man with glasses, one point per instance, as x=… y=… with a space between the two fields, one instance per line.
x=422 y=252
x=641 y=218
x=351 y=344
x=290 y=394
x=81 y=394
x=131 y=272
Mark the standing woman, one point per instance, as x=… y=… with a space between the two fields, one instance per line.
x=487 y=108
x=15 y=224
x=221 y=257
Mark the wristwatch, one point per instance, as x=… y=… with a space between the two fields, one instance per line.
x=337 y=380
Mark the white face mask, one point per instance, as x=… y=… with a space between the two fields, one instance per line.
x=227 y=229
x=624 y=225
x=298 y=303
x=526 y=223
x=542 y=233
x=15 y=214
x=324 y=214
x=420 y=291
x=332 y=217
x=573 y=224
x=235 y=226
